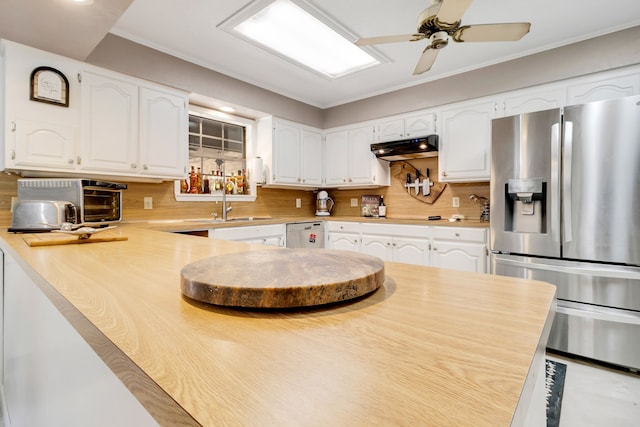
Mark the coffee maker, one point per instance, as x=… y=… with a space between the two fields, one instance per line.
x=324 y=203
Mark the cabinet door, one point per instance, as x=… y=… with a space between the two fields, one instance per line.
x=109 y=124
x=422 y=125
x=380 y=246
x=411 y=251
x=391 y=130
x=465 y=151
x=312 y=157
x=360 y=157
x=345 y=241
x=286 y=153
x=459 y=256
x=336 y=161
x=46 y=145
x=603 y=88
x=163 y=133
x=531 y=101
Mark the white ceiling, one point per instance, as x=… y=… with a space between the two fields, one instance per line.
x=187 y=29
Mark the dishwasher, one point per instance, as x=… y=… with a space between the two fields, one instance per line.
x=305 y=234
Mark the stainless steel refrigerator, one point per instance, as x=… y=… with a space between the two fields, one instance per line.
x=565 y=209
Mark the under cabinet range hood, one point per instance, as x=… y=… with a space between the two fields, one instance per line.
x=406 y=149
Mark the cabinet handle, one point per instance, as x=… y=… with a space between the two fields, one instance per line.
x=13 y=154
x=435 y=249
x=79 y=160
x=444 y=173
x=79 y=78
x=13 y=126
x=70 y=161
x=388 y=244
x=457 y=234
x=144 y=167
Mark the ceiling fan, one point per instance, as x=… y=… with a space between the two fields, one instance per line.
x=440 y=22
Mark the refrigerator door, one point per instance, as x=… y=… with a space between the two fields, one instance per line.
x=525 y=184
x=601 y=181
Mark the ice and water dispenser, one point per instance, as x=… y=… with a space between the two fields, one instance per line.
x=525 y=205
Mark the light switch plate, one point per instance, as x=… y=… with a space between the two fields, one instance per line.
x=354 y=202
x=456 y=202
x=298 y=203
x=148 y=202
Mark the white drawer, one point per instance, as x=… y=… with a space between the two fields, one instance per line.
x=344 y=226
x=398 y=230
x=252 y=232
x=466 y=234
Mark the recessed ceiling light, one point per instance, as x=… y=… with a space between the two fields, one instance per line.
x=85 y=2
x=227 y=109
x=289 y=30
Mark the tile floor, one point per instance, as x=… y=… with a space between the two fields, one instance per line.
x=596 y=396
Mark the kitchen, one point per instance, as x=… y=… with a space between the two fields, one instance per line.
x=121 y=55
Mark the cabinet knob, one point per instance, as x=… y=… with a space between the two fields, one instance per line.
x=70 y=161
x=444 y=174
x=79 y=160
x=13 y=126
x=144 y=167
x=13 y=154
x=134 y=166
x=457 y=234
x=435 y=249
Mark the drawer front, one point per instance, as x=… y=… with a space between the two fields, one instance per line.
x=396 y=230
x=245 y=233
x=344 y=226
x=460 y=234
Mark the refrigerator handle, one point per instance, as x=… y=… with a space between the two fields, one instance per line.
x=554 y=200
x=566 y=180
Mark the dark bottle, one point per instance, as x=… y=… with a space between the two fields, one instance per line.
x=382 y=208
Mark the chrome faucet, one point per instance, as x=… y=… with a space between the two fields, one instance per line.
x=225 y=209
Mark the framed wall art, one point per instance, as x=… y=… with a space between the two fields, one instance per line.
x=49 y=85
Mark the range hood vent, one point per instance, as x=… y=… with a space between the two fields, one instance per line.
x=406 y=149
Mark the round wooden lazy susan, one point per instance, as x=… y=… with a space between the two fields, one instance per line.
x=282 y=278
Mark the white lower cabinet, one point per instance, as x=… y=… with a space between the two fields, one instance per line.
x=52 y=376
x=460 y=248
x=271 y=235
x=398 y=243
x=344 y=236
x=457 y=248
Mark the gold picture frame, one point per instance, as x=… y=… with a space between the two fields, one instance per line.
x=50 y=86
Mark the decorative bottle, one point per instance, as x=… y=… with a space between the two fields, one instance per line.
x=382 y=208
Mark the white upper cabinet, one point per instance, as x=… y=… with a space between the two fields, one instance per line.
x=114 y=125
x=529 y=101
x=109 y=124
x=37 y=135
x=465 y=146
x=292 y=153
x=349 y=161
x=163 y=122
x=409 y=126
x=607 y=86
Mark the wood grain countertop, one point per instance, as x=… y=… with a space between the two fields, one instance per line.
x=429 y=347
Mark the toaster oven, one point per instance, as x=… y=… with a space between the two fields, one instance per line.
x=96 y=202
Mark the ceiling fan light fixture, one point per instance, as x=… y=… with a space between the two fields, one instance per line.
x=289 y=30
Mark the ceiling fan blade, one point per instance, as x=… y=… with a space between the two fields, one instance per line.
x=426 y=60
x=389 y=39
x=491 y=32
x=451 y=11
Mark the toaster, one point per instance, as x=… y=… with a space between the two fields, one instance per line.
x=30 y=216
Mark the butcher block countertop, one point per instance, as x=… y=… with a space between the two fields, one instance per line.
x=429 y=347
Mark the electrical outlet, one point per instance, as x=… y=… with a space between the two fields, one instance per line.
x=456 y=202
x=354 y=202
x=14 y=200
x=148 y=202
x=298 y=203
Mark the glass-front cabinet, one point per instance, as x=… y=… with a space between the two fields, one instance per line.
x=217 y=161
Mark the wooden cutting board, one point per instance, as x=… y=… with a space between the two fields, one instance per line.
x=51 y=239
x=282 y=278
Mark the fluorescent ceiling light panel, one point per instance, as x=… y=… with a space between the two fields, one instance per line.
x=289 y=30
